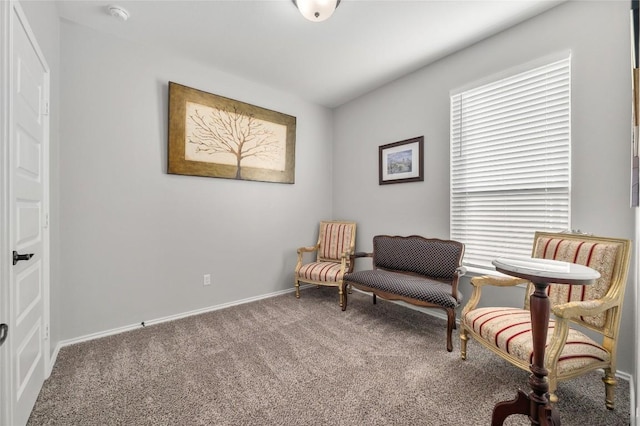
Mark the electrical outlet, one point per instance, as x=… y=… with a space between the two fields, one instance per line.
x=206 y=279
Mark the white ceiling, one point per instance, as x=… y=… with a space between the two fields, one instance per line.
x=364 y=45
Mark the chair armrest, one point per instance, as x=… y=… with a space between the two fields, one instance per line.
x=356 y=255
x=585 y=308
x=359 y=254
x=307 y=249
x=566 y=312
x=496 y=281
x=459 y=272
x=301 y=251
x=362 y=254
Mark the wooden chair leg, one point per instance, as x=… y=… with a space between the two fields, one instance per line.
x=451 y=320
x=344 y=297
x=610 y=382
x=552 y=379
x=463 y=342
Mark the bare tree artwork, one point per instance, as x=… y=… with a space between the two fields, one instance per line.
x=228 y=136
x=219 y=137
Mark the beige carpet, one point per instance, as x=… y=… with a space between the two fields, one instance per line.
x=284 y=361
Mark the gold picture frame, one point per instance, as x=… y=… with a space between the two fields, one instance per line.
x=214 y=136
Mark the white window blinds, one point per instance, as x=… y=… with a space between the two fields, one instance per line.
x=510 y=162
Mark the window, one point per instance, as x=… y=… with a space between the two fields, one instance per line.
x=510 y=162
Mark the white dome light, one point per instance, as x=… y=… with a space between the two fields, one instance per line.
x=316 y=10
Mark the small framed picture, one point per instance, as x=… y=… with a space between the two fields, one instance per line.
x=401 y=161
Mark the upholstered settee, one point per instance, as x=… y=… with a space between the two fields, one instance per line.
x=417 y=270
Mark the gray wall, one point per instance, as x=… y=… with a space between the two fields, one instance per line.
x=136 y=241
x=597 y=33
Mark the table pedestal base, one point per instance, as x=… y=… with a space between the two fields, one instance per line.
x=536 y=405
x=523 y=404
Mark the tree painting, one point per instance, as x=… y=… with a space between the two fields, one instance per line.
x=227 y=136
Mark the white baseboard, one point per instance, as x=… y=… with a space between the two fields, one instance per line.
x=131 y=327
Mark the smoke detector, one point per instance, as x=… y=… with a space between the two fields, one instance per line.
x=119 y=12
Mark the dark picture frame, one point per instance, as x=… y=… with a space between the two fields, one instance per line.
x=214 y=136
x=401 y=161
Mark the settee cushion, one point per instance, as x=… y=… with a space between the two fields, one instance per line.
x=414 y=287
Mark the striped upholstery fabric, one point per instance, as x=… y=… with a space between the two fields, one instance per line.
x=599 y=256
x=335 y=239
x=510 y=330
x=321 y=271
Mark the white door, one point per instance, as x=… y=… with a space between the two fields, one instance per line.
x=27 y=347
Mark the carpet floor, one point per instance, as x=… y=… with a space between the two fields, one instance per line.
x=287 y=361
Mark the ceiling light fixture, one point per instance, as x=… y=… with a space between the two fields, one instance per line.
x=118 y=12
x=316 y=10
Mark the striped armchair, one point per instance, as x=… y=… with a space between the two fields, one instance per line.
x=598 y=308
x=336 y=245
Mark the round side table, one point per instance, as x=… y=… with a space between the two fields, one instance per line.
x=541 y=272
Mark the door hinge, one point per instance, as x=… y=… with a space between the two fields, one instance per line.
x=46 y=332
x=45 y=107
x=45 y=225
